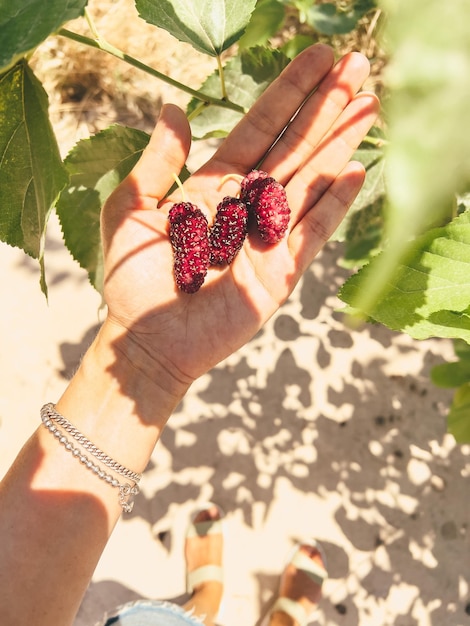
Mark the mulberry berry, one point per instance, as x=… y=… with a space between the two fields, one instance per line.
x=266 y=199
x=252 y=177
x=189 y=236
x=229 y=231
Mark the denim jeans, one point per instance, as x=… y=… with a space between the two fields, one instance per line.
x=150 y=613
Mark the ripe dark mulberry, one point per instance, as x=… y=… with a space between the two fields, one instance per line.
x=189 y=236
x=229 y=231
x=267 y=201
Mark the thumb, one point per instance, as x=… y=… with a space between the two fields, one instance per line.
x=163 y=157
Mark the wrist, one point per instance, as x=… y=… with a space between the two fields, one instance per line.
x=139 y=373
x=120 y=398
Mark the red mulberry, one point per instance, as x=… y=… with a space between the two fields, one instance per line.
x=267 y=201
x=189 y=236
x=229 y=231
x=252 y=177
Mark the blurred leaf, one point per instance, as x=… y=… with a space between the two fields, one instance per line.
x=430 y=293
x=246 y=77
x=462 y=350
x=427 y=159
x=329 y=19
x=458 y=419
x=373 y=188
x=24 y=24
x=363 y=227
x=265 y=22
x=364 y=236
x=294 y=46
x=96 y=166
x=455 y=373
x=451 y=374
x=31 y=170
x=210 y=26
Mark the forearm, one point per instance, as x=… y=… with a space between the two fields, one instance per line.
x=56 y=514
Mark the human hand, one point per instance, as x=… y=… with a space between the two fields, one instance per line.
x=185 y=334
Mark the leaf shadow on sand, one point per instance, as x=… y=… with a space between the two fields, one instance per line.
x=376 y=440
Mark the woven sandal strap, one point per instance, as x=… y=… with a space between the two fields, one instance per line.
x=293 y=609
x=204 y=574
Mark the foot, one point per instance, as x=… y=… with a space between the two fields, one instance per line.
x=203 y=552
x=300 y=588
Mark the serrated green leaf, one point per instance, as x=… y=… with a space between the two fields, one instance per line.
x=246 y=77
x=265 y=21
x=31 y=170
x=210 y=26
x=430 y=294
x=24 y=24
x=96 y=166
x=458 y=419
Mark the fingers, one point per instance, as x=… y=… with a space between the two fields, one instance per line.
x=326 y=185
x=256 y=132
x=331 y=155
x=317 y=116
x=318 y=224
x=163 y=157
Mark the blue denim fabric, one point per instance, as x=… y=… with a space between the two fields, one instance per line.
x=150 y=613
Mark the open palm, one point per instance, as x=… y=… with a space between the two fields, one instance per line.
x=326 y=119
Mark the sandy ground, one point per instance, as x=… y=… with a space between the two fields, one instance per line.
x=313 y=429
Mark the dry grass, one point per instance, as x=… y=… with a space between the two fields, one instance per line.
x=89 y=89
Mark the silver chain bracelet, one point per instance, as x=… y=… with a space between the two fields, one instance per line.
x=49 y=411
x=126 y=490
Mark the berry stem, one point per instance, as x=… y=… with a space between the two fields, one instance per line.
x=105 y=46
x=91 y=25
x=222 y=79
x=180 y=186
x=227 y=177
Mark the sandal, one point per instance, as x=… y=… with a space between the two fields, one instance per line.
x=208 y=572
x=316 y=572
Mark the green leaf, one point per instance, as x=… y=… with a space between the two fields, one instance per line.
x=455 y=373
x=96 y=166
x=462 y=350
x=363 y=227
x=458 y=419
x=246 y=77
x=430 y=293
x=24 y=24
x=296 y=45
x=210 y=26
x=372 y=190
x=450 y=375
x=329 y=19
x=31 y=170
x=427 y=158
x=364 y=236
x=265 y=22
